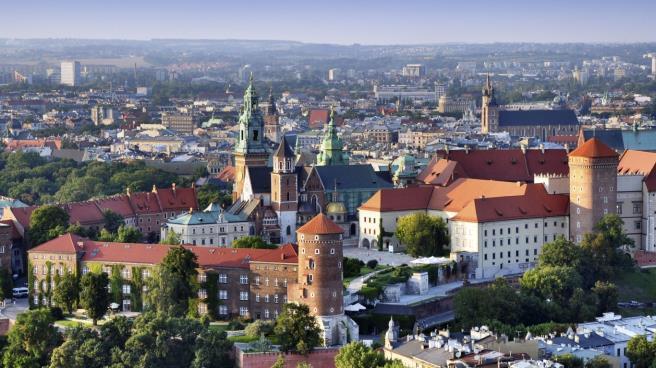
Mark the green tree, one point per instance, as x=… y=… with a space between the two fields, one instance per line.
x=106 y=236
x=47 y=222
x=174 y=282
x=94 y=296
x=82 y=348
x=66 y=293
x=569 y=361
x=208 y=194
x=280 y=362
x=6 y=283
x=303 y=365
x=112 y=221
x=172 y=238
x=258 y=328
x=31 y=340
x=607 y=297
x=356 y=355
x=598 y=362
x=296 y=329
x=252 y=242
x=641 y=352
x=423 y=235
x=559 y=253
x=555 y=283
x=213 y=350
x=128 y=234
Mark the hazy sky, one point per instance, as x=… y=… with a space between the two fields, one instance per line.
x=335 y=21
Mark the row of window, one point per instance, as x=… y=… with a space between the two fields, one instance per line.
x=485 y=255
x=509 y=241
x=317 y=251
x=536 y=225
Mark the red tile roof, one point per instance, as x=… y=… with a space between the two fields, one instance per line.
x=636 y=162
x=151 y=254
x=318 y=117
x=452 y=198
x=67 y=243
x=227 y=174
x=320 y=225
x=497 y=164
x=594 y=148
x=535 y=204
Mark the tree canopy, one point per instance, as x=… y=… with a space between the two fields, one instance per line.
x=174 y=283
x=252 y=242
x=423 y=235
x=296 y=329
x=31 y=340
x=47 y=222
x=94 y=296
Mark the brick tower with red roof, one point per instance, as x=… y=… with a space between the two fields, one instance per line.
x=592 y=186
x=320 y=279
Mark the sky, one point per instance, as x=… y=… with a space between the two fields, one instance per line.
x=335 y=21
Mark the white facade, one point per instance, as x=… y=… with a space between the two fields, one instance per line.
x=70 y=73
x=287 y=220
x=505 y=247
x=217 y=234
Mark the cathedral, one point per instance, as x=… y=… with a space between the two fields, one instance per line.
x=542 y=123
x=278 y=189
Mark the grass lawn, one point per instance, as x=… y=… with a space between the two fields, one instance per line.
x=637 y=285
x=67 y=323
x=248 y=339
x=218 y=326
x=363 y=271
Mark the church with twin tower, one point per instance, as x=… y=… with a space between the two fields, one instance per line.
x=319 y=283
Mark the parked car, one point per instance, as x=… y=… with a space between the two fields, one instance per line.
x=20 y=292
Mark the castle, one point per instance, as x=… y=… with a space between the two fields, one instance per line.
x=278 y=190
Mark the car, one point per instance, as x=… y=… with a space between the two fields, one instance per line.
x=20 y=292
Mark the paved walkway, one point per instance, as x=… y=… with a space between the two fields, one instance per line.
x=11 y=310
x=357 y=283
x=383 y=258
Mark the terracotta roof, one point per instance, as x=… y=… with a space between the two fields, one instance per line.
x=403 y=199
x=118 y=204
x=177 y=198
x=452 y=198
x=496 y=164
x=318 y=117
x=535 y=204
x=151 y=254
x=636 y=162
x=227 y=174
x=320 y=225
x=67 y=243
x=594 y=148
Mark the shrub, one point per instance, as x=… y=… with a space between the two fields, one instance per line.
x=56 y=313
x=259 y=327
x=372 y=264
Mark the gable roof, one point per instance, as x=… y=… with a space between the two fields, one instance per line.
x=537 y=117
x=534 y=204
x=593 y=148
x=320 y=225
x=67 y=243
x=152 y=254
x=495 y=164
x=351 y=177
x=452 y=198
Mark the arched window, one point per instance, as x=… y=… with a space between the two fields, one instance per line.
x=288 y=230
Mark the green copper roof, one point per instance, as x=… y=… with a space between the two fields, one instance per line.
x=331 y=147
x=251 y=123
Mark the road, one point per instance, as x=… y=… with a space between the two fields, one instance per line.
x=11 y=310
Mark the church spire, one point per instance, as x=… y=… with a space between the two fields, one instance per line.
x=251 y=123
x=331 y=151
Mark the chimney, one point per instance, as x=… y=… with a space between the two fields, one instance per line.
x=542 y=148
x=567 y=147
x=173 y=187
x=466 y=148
x=282 y=256
x=154 y=189
x=523 y=148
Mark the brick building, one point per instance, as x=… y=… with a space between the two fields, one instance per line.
x=248 y=282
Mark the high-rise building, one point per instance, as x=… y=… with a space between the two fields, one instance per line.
x=440 y=90
x=592 y=186
x=244 y=73
x=413 y=70
x=70 y=73
x=319 y=284
x=184 y=123
x=334 y=74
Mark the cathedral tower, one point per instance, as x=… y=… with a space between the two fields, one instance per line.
x=284 y=190
x=331 y=151
x=272 y=120
x=592 y=186
x=249 y=148
x=320 y=285
x=489 y=109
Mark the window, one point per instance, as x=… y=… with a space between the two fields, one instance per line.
x=637 y=225
x=202 y=294
x=332 y=250
x=243 y=311
x=275 y=298
x=257 y=297
x=223 y=278
x=223 y=294
x=126 y=289
x=266 y=298
x=266 y=314
x=243 y=295
x=223 y=310
x=257 y=280
x=202 y=277
x=243 y=279
x=637 y=207
x=316 y=251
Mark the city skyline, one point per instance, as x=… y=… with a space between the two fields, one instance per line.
x=340 y=22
